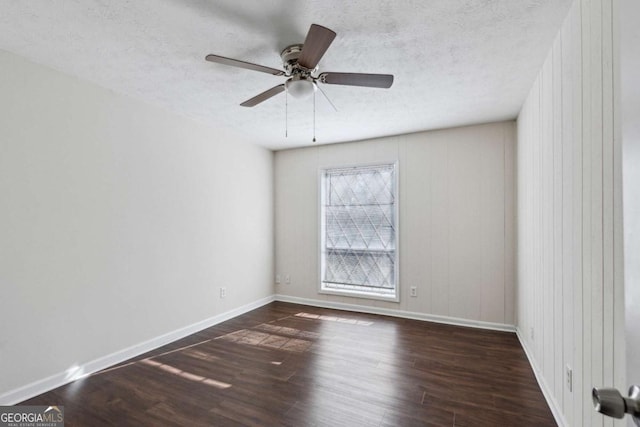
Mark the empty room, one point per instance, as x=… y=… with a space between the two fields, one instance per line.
x=305 y=213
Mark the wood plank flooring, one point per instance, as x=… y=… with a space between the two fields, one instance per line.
x=294 y=365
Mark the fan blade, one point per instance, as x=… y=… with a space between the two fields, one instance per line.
x=357 y=79
x=243 y=64
x=263 y=96
x=315 y=45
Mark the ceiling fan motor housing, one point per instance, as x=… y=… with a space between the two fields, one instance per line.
x=289 y=56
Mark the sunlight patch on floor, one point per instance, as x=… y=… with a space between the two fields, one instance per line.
x=187 y=375
x=334 y=319
x=284 y=330
x=263 y=339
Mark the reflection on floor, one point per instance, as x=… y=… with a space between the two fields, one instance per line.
x=245 y=336
x=187 y=375
x=335 y=319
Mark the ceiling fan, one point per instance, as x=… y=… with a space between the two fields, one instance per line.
x=300 y=63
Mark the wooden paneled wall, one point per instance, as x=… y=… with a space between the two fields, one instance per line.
x=457 y=222
x=570 y=286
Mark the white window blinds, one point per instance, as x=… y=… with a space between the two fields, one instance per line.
x=359 y=230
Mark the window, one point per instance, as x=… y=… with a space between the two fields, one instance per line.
x=358 y=231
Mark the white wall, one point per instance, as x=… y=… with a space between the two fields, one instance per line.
x=570 y=287
x=118 y=222
x=457 y=219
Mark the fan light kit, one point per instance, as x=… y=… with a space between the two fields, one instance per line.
x=300 y=63
x=300 y=87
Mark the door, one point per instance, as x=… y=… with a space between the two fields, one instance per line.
x=610 y=401
x=629 y=33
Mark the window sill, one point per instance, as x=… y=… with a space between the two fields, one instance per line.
x=363 y=295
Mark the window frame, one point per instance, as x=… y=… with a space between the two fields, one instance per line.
x=321 y=224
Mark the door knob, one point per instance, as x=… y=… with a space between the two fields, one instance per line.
x=609 y=401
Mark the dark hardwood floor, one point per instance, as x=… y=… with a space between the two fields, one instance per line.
x=294 y=365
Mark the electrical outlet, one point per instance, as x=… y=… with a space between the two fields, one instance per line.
x=223 y=292
x=531 y=333
x=568 y=377
x=414 y=291
x=278 y=280
x=287 y=279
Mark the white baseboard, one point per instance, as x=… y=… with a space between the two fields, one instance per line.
x=546 y=391
x=28 y=391
x=398 y=313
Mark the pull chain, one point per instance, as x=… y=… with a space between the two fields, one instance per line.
x=286 y=114
x=314 y=116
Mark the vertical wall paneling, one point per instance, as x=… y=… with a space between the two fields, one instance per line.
x=557 y=221
x=607 y=194
x=536 y=208
x=510 y=223
x=567 y=78
x=439 y=262
x=586 y=204
x=465 y=237
x=492 y=228
x=576 y=141
x=547 y=239
x=568 y=274
x=596 y=205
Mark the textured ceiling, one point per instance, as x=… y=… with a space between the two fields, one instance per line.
x=456 y=62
